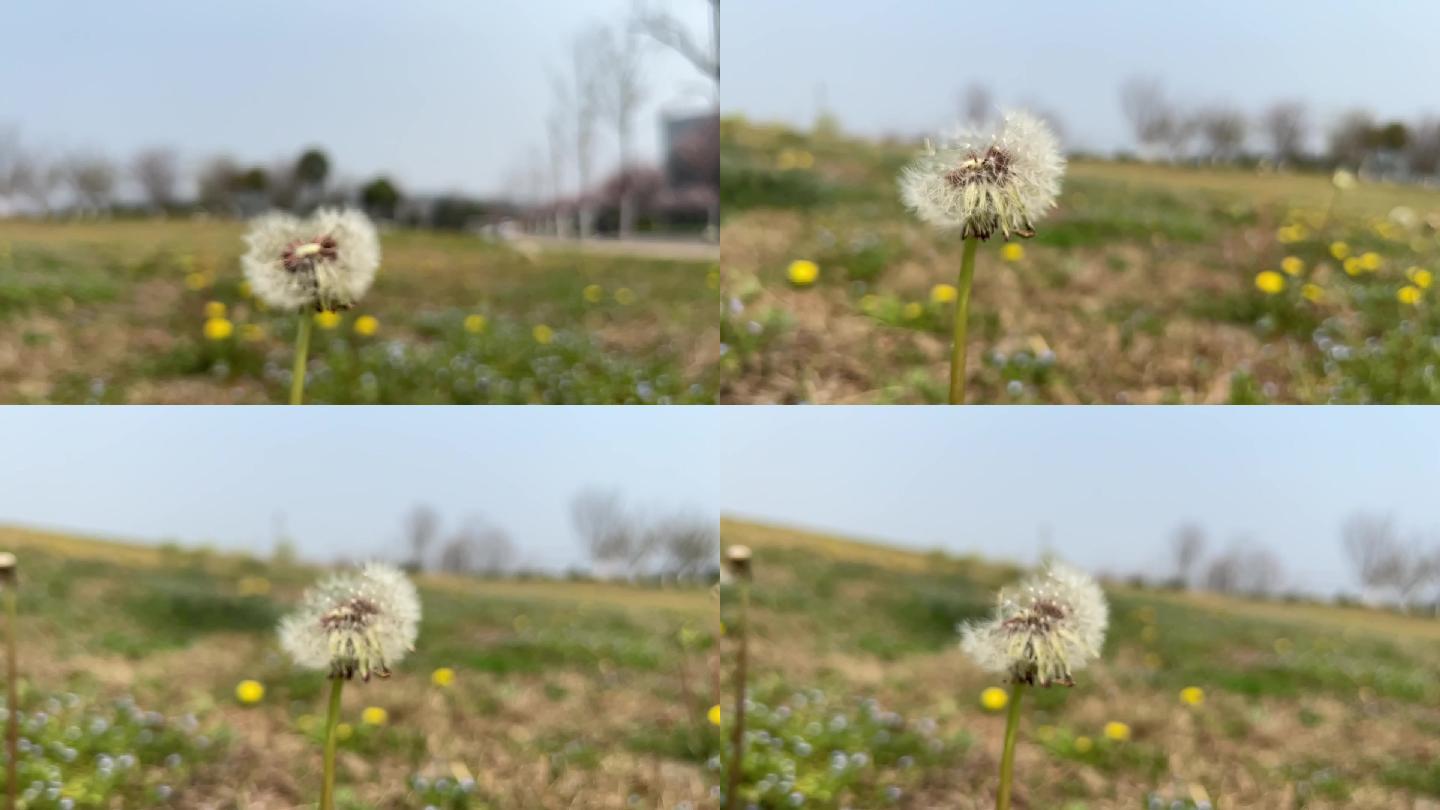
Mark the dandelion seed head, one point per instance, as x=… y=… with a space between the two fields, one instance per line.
x=354 y=623
x=1044 y=629
x=325 y=263
x=986 y=182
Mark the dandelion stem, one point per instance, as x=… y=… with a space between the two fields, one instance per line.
x=12 y=699
x=302 y=350
x=737 y=732
x=962 y=318
x=1007 y=757
x=332 y=719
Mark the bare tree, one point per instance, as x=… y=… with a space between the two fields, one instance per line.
x=1285 y=126
x=1371 y=544
x=422 y=526
x=976 y=105
x=35 y=179
x=620 y=92
x=1423 y=151
x=665 y=29
x=1188 y=546
x=1179 y=130
x=1223 y=129
x=92 y=179
x=1223 y=574
x=1352 y=137
x=157 y=171
x=691 y=545
x=478 y=547
x=585 y=113
x=1151 y=119
x=604 y=525
x=216 y=182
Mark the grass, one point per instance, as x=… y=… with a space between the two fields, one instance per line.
x=1139 y=288
x=1305 y=705
x=565 y=694
x=114 y=311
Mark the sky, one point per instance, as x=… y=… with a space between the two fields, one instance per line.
x=445 y=95
x=900 y=67
x=1104 y=488
x=343 y=478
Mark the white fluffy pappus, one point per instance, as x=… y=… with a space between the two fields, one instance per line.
x=354 y=623
x=325 y=262
x=1044 y=629
x=1001 y=180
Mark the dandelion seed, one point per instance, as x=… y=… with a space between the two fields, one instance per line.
x=354 y=623
x=218 y=329
x=250 y=692
x=802 y=272
x=443 y=677
x=1117 y=731
x=325 y=263
x=1044 y=630
x=1269 y=282
x=983 y=183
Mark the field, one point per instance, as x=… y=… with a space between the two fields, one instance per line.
x=564 y=694
x=1144 y=286
x=116 y=312
x=863 y=699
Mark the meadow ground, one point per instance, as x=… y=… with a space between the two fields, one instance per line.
x=116 y=311
x=862 y=698
x=1143 y=286
x=564 y=694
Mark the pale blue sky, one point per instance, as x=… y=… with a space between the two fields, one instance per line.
x=344 y=477
x=1109 y=485
x=442 y=94
x=898 y=67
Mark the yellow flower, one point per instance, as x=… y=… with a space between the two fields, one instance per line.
x=1117 y=731
x=994 y=699
x=218 y=329
x=1339 y=250
x=374 y=716
x=252 y=586
x=803 y=272
x=1352 y=266
x=714 y=715
x=474 y=324
x=444 y=676
x=1192 y=696
x=1292 y=265
x=1409 y=294
x=214 y=309
x=197 y=281
x=913 y=310
x=869 y=303
x=1269 y=282
x=1083 y=745
x=1291 y=233
x=344 y=731
x=542 y=334
x=624 y=297
x=307 y=722
x=943 y=293
x=327 y=320
x=593 y=293
x=712 y=279
x=1313 y=293
x=250 y=692
x=1046 y=734
x=1370 y=261
x=1421 y=277
x=1012 y=252
x=366 y=325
